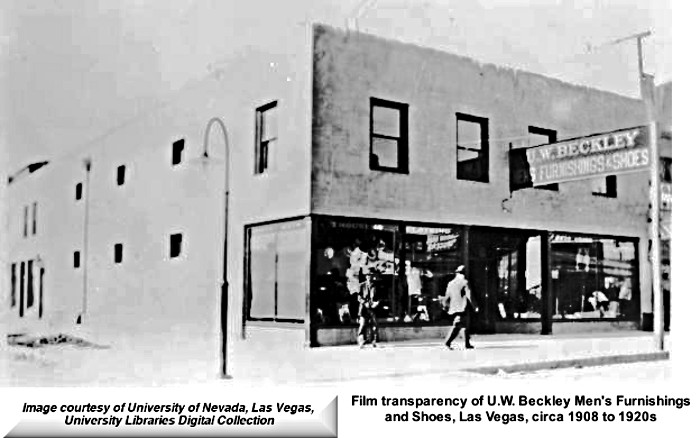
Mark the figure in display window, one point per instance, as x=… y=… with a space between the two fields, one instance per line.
x=358 y=263
x=368 y=330
x=414 y=284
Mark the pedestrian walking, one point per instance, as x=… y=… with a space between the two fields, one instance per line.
x=459 y=306
x=367 y=330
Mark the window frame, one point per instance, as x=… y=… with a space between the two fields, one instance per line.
x=177 y=150
x=665 y=169
x=402 y=164
x=551 y=134
x=181 y=245
x=483 y=150
x=261 y=164
x=121 y=174
x=118 y=253
x=610 y=187
x=25 y=229
x=35 y=207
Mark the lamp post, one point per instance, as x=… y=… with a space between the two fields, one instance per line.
x=29 y=168
x=224 y=275
x=87 y=164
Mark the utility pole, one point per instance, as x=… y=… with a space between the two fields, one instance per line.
x=646 y=89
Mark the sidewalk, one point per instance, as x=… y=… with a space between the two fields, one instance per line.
x=260 y=363
x=493 y=354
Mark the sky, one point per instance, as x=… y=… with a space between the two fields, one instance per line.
x=72 y=70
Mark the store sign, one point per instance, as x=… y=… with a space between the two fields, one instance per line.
x=616 y=152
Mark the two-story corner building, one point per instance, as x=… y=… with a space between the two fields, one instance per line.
x=350 y=155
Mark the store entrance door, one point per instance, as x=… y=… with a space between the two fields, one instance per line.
x=481 y=283
x=498 y=261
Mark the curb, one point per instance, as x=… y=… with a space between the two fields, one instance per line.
x=571 y=363
x=529 y=367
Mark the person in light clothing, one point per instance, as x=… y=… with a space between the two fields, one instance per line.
x=458 y=304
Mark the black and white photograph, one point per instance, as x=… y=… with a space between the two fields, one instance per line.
x=340 y=217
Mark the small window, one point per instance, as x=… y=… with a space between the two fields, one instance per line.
x=539 y=136
x=30 y=283
x=118 y=253
x=13 y=274
x=21 y=289
x=76 y=259
x=175 y=245
x=472 y=148
x=79 y=191
x=178 y=149
x=266 y=135
x=665 y=169
x=121 y=174
x=388 y=136
x=605 y=186
x=34 y=207
x=26 y=221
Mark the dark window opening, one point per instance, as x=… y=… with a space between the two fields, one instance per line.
x=605 y=186
x=21 y=289
x=79 y=191
x=121 y=174
x=118 y=253
x=13 y=275
x=472 y=148
x=539 y=136
x=265 y=135
x=26 y=220
x=34 y=207
x=30 y=283
x=388 y=136
x=175 y=245
x=665 y=169
x=178 y=149
x=76 y=259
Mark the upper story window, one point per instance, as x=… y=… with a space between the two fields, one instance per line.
x=472 y=148
x=539 y=136
x=665 y=169
x=26 y=221
x=34 y=208
x=265 y=135
x=175 y=245
x=605 y=186
x=79 y=191
x=178 y=150
x=121 y=175
x=76 y=259
x=118 y=253
x=388 y=136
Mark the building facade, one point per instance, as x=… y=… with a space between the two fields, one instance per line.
x=357 y=162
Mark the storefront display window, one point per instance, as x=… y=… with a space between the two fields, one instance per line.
x=431 y=256
x=277 y=271
x=593 y=277
x=351 y=256
x=407 y=267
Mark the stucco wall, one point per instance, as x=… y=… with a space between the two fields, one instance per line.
x=350 y=68
x=150 y=291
